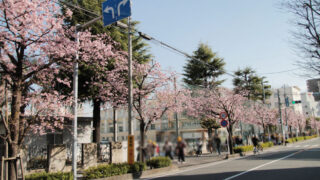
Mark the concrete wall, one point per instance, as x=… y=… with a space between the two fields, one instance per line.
x=57 y=156
x=89 y=155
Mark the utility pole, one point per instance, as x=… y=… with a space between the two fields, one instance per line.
x=285 y=110
x=314 y=119
x=279 y=103
x=75 y=107
x=6 y=155
x=175 y=113
x=130 y=98
x=264 y=102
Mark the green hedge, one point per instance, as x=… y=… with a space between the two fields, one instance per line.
x=159 y=162
x=300 y=138
x=49 y=176
x=240 y=149
x=267 y=144
x=108 y=170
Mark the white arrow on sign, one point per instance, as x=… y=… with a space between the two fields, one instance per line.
x=107 y=9
x=123 y=2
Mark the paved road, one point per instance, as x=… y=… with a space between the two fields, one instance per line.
x=296 y=161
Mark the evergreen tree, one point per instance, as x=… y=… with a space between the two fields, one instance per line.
x=204 y=68
x=248 y=81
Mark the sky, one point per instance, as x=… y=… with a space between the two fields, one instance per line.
x=246 y=33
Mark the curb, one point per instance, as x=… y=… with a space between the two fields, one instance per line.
x=143 y=174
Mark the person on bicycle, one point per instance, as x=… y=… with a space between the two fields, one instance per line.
x=255 y=142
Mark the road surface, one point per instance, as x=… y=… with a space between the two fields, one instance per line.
x=296 y=161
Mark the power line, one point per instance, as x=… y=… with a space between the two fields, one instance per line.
x=282 y=71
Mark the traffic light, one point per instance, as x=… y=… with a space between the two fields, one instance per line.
x=296 y=102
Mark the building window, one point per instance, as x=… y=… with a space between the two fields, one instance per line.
x=54 y=138
x=120 y=129
x=153 y=127
x=110 y=129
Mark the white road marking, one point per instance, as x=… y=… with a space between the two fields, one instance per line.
x=306 y=145
x=252 y=169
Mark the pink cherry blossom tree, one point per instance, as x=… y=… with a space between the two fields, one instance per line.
x=33 y=40
x=224 y=100
x=201 y=105
x=153 y=96
x=263 y=116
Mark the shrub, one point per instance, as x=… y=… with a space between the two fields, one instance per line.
x=300 y=138
x=267 y=144
x=50 y=176
x=138 y=167
x=159 y=162
x=241 y=149
x=108 y=170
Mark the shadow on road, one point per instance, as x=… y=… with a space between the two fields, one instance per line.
x=308 y=173
x=307 y=155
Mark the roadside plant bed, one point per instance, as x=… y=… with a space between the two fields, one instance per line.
x=108 y=170
x=267 y=144
x=50 y=176
x=241 y=149
x=159 y=162
x=300 y=138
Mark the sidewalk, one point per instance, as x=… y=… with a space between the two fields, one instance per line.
x=196 y=160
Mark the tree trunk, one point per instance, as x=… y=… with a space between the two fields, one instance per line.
x=96 y=120
x=230 y=139
x=216 y=131
x=209 y=133
x=142 y=124
x=115 y=125
x=14 y=128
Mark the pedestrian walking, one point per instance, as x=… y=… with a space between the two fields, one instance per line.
x=217 y=141
x=167 y=148
x=144 y=153
x=210 y=145
x=199 y=147
x=150 y=149
x=180 y=149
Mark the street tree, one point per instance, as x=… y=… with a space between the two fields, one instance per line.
x=246 y=80
x=233 y=105
x=209 y=104
x=306 y=37
x=204 y=68
x=201 y=105
x=263 y=116
x=33 y=41
x=153 y=96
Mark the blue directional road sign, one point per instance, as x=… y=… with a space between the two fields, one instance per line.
x=115 y=10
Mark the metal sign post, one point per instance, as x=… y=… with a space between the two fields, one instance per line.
x=113 y=11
